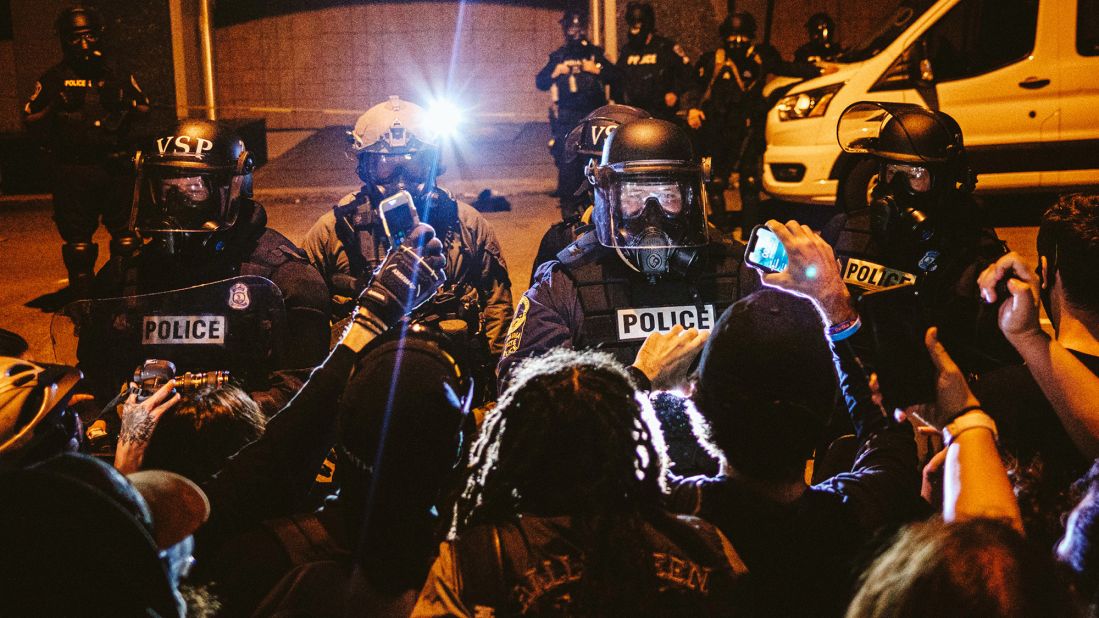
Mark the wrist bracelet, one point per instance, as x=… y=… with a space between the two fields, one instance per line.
x=964 y=410
x=968 y=421
x=843 y=330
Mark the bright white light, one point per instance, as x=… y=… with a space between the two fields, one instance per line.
x=444 y=118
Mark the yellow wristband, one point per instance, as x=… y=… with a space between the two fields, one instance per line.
x=975 y=419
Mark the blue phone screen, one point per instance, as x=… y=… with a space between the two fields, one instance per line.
x=768 y=251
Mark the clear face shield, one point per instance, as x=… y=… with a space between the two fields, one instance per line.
x=651 y=207
x=389 y=173
x=186 y=200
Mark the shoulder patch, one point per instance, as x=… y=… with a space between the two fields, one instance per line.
x=515 y=331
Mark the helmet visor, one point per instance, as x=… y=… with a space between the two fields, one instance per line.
x=918 y=178
x=186 y=200
x=413 y=167
x=887 y=130
x=651 y=209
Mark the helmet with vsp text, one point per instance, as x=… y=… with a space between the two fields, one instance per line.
x=575 y=26
x=80 y=30
x=397 y=150
x=648 y=195
x=192 y=179
x=640 y=22
x=35 y=420
x=588 y=137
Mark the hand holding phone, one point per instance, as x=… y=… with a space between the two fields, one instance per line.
x=765 y=251
x=399 y=217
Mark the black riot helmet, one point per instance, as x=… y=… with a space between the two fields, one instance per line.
x=640 y=22
x=397 y=150
x=80 y=30
x=575 y=26
x=588 y=137
x=738 y=31
x=648 y=195
x=821 y=29
x=192 y=179
x=922 y=162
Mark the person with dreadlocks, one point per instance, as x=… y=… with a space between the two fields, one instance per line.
x=562 y=508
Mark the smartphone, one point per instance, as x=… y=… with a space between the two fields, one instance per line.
x=765 y=251
x=896 y=325
x=399 y=217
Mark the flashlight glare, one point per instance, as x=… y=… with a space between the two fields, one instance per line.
x=443 y=118
x=811 y=272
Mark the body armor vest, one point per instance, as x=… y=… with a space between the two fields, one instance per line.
x=621 y=307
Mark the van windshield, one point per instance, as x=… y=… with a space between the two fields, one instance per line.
x=890 y=28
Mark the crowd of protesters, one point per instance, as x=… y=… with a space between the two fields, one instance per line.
x=746 y=467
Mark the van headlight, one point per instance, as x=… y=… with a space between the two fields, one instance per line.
x=809 y=104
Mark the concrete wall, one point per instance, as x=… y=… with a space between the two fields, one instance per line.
x=9 y=92
x=345 y=58
x=351 y=57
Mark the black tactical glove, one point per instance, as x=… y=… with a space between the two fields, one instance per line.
x=408 y=277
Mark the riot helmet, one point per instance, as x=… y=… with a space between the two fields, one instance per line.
x=575 y=26
x=822 y=30
x=640 y=22
x=922 y=163
x=588 y=137
x=737 y=32
x=396 y=149
x=192 y=179
x=35 y=419
x=648 y=195
x=80 y=30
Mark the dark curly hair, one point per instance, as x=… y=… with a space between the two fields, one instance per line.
x=1068 y=237
x=571 y=436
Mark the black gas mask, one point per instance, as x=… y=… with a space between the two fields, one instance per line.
x=80 y=32
x=898 y=210
x=574 y=29
x=736 y=45
x=640 y=23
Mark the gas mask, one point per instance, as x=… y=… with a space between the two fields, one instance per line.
x=901 y=199
x=736 y=46
x=82 y=49
x=385 y=174
x=638 y=27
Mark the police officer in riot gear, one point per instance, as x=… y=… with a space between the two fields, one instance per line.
x=81 y=110
x=397 y=150
x=654 y=69
x=583 y=144
x=922 y=226
x=727 y=109
x=651 y=262
x=195 y=222
x=576 y=76
x=822 y=45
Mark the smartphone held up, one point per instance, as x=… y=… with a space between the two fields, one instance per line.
x=399 y=217
x=765 y=251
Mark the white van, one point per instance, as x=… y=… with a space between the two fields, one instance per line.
x=1021 y=77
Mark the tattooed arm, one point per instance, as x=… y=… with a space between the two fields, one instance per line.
x=138 y=422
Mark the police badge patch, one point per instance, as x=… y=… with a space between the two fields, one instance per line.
x=238 y=297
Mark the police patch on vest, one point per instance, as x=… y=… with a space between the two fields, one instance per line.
x=640 y=323
x=183 y=330
x=871 y=276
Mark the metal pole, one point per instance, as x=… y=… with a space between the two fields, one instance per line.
x=610 y=29
x=206 y=40
x=770 y=22
x=595 y=23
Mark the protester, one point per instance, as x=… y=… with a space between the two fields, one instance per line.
x=562 y=509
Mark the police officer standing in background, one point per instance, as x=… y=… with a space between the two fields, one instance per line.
x=727 y=108
x=576 y=76
x=649 y=264
x=397 y=150
x=822 y=45
x=81 y=109
x=654 y=69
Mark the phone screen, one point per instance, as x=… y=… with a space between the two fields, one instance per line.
x=766 y=252
x=398 y=217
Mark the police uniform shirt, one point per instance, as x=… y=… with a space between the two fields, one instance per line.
x=649 y=72
x=579 y=90
x=90 y=111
